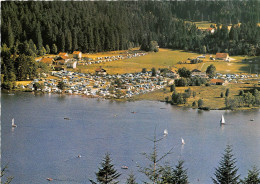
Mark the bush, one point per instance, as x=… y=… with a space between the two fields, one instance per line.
x=221 y=95
x=200 y=103
x=194 y=104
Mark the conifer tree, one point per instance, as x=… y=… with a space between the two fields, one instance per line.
x=252 y=177
x=177 y=175
x=131 y=179
x=10 y=35
x=153 y=171
x=226 y=173
x=107 y=174
x=39 y=36
x=227 y=92
x=47 y=49
x=180 y=174
x=54 y=49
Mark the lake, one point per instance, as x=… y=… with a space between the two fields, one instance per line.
x=44 y=144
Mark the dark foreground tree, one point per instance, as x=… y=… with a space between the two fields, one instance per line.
x=107 y=174
x=2 y=176
x=131 y=179
x=252 y=177
x=153 y=171
x=226 y=173
x=177 y=175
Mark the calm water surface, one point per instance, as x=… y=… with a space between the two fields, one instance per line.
x=45 y=145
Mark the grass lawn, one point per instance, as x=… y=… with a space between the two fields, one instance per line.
x=165 y=58
x=23 y=82
x=210 y=94
x=234 y=66
x=203 y=24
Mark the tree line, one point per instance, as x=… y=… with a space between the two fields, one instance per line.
x=105 y=26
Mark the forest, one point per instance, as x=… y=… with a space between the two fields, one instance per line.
x=33 y=28
x=105 y=26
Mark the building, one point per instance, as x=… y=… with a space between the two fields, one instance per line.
x=218 y=82
x=198 y=73
x=222 y=56
x=48 y=61
x=63 y=54
x=77 y=54
x=72 y=64
x=211 y=30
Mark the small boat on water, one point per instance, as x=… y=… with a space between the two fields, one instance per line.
x=124 y=167
x=222 y=121
x=165 y=132
x=67 y=118
x=79 y=156
x=133 y=112
x=13 y=125
x=252 y=120
x=182 y=141
x=49 y=179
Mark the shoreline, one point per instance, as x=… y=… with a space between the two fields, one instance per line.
x=9 y=92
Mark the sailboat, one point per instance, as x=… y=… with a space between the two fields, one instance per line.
x=182 y=141
x=222 y=121
x=13 y=125
x=165 y=132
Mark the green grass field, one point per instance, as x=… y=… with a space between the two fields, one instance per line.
x=209 y=94
x=165 y=58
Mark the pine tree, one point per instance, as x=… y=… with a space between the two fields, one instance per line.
x=252 y=177
x=39 y=36
x=10 y=35
x=54 y=49
x=221 y=95
x=179 y=174
x=153 y=171
x=107 y=174
x=226 y=173
x=227 y=92
x=131 y=179
x=63 y=44
x=47 y=49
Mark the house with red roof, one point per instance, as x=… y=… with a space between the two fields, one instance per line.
x=63 y=54
x=218 y=82
x=77 y=54
x=211 y=30
x=47 y=60
x=222 y=56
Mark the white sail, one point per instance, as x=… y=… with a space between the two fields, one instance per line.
x=165 y=132
x=182 y=141
x=13 y=125
x=222 y=121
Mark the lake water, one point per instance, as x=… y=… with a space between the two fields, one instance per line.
x=45 y=145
